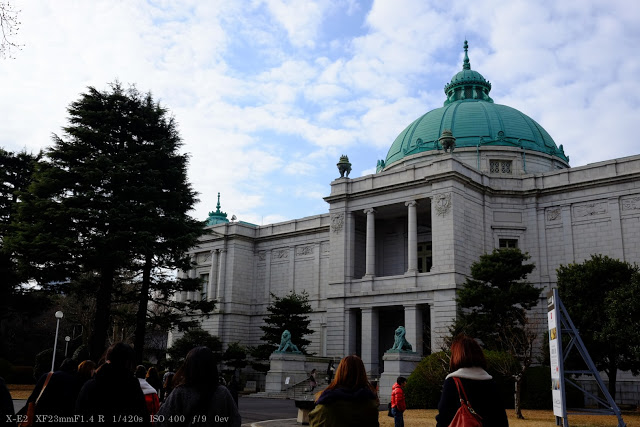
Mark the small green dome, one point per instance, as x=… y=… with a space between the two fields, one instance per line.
x=474 y=119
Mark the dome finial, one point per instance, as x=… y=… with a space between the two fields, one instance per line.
x=218 y=205
x=466 y=65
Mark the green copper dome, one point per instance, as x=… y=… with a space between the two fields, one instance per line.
x=217 y=216
x=474 y=119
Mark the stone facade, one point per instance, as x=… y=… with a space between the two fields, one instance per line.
x=394 y=247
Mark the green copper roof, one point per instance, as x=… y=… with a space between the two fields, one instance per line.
x=474 y=119
x=217 y=217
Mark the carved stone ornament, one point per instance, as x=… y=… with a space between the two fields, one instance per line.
x=631 y=204
x=443 y=204
x=304 y=250
x=553 y=214
x=337 y=222
x=262 y=256
x=590 y=209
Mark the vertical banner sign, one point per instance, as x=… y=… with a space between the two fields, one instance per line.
x=555 y=351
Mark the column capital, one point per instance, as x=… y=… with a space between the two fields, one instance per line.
x=369 y=211
x=411 y=203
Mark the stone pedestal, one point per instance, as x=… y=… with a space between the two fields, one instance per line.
x=304 y=407
x=283 y=366
x=397 y=364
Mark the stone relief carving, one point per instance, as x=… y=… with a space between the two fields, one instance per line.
x=325 y=246
x=281 y=254
x=590 y=209
x=443 y=204
x=304 y=250
x=262 y=256
x=337 y=222
x=553 y=214
x=631 y=204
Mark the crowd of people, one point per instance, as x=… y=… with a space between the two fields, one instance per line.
x=117 y=392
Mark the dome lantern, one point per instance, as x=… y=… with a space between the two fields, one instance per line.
x=467 y=84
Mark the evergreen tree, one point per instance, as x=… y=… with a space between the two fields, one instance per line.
x=602 y=296
x=288 y=313
x=16 y=170
x=110 y=200
x=191 y=339
x=493 y=307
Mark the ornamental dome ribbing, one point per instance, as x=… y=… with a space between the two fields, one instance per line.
x=475 y=121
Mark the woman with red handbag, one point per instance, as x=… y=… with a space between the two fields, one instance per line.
x=469 y=394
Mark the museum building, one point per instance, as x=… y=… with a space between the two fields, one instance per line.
x=394 y=246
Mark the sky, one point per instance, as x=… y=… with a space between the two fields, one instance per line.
x=268 y=94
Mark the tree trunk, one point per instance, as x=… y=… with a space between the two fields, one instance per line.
x=516 y=397
x=103 y=312
x=141 y=315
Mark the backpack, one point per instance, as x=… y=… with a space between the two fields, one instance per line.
x=465 y=416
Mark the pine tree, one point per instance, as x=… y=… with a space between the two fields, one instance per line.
x=493 y=307
x=288 y=313
x=110 y=203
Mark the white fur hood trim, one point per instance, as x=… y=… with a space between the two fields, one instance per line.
x=146 y=387
x=471 y=374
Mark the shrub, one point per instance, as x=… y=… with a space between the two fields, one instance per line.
x=6 y=369
x=424 y=385
x=21 y=375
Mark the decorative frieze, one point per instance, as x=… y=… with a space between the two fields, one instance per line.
x=280 y=254
x=631 y=204
x=337 y=222
x=591 y=209
x=304 y=250
x=442 y=204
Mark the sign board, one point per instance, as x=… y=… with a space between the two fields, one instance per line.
x=286 y=381
x=555 y=353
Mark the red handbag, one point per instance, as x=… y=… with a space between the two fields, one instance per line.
x=465 y=416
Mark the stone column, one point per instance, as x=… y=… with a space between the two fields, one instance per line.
x=412 y=238
x=616 y=228
x=221 y=274
x=267 y=276
x=213 y=279
x=413 y=327
x=370 y=270
x=351 y=328
x=192 y=274
x=370 y=340
x=567 y=232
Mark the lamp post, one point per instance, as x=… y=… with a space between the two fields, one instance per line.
x=59 y=315
x=66 y=345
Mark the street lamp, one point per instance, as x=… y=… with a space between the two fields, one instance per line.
x=59 y=315
x=66 y=346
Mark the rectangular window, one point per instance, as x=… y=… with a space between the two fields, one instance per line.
x=508 y=243
x=425 y=257
x=205 y=286
x=500 y=166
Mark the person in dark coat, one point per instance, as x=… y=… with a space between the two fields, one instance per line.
x=350 y=400
x=7 y=414
x=113 y=396
x=198 y=398
x=468 y=363
x=59 y=397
